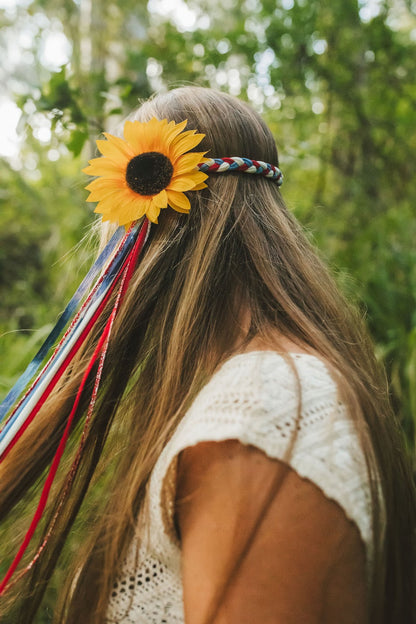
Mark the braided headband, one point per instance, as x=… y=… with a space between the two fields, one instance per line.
x=136 y=177
x=245 y=165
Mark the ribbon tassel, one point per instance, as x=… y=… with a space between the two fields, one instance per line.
x=121 y=275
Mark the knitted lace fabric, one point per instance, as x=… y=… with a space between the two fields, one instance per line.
x=253 y=398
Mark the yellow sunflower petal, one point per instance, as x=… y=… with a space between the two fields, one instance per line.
x=120 y=218
x=110 y=206
x=119 y=143
x=153 y=212
x=97 y=196
x=187 y=162
x=198 y=177
x=133 y=212
x=160 y=139
x=187 y=183
x=200 y=186
x=178 y=201
x=104 y=167
x=195 y=178
x=141 y=136
x=134 y=134
x=117 y=154
x=155 y=135
x=175 y=129
x=133 y=208
x=161 y=199
x=107 y=218
x=104 y=184
x=117 y=196
x=101 y=210
x=183 y=143
x=124 y=212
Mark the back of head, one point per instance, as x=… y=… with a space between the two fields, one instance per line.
x=241 y=251
x=231 y=127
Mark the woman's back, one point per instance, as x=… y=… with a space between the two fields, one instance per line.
x=211 y=482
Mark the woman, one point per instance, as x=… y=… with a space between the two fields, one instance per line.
x=252 y=468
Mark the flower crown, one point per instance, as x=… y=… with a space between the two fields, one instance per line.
x=152 y=167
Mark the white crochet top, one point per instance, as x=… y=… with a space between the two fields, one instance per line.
x=253 y=398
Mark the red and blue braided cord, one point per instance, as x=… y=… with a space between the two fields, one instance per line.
x=245 y=165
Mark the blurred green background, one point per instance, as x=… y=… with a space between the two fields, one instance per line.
x=335 y=80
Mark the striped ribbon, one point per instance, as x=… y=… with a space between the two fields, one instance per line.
x=116 y=272
x=245 y=165
x=81 y=324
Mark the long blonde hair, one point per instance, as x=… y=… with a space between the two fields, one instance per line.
x=239 y=249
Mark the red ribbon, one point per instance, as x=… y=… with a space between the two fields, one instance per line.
x=100 y=350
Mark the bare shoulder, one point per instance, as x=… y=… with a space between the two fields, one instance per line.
x=287 y=552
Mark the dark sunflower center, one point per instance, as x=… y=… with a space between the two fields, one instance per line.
x=149 y=173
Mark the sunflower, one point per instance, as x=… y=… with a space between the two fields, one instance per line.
x=145 y=171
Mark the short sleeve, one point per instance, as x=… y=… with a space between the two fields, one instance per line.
x=291 y=412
